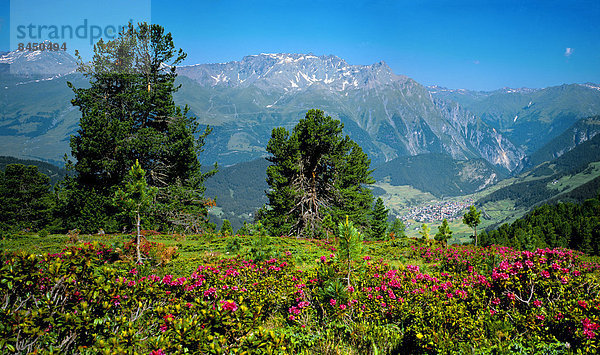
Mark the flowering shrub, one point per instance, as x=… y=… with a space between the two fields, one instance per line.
x=85 y=300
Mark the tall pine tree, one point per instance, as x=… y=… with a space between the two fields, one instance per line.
x=315 y=170
x=127 y=115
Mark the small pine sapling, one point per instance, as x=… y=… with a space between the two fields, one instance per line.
x=226 y=229
x=472 y=219
x=136 y=198
x=424 y=232
x=444 y=233
x=350 y=244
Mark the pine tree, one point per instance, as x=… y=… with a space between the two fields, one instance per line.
x=424 y=231
x=226 y=229
x=128 y=114
x=444 y=233
x=26 y=198
x=315 y=171
x=472 y=220
x=349 y=243
x=397 y=229
x=328 y=226
x=136 y=198
x=379 y=220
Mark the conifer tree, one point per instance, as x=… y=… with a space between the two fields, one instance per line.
x=444 y=233
x=350 y=244
x=379 y=220
x=397 y=229
x=315 y=171
x=226 y=229
x=472 y=220
x=136 y=198
x=26 y=201
x=424 y=231
x=128 y=114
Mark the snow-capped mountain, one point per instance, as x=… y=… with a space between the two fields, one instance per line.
x=440 y=90
x=290 y=72
x=46 y=63
x=591 y=86
x=389 y=115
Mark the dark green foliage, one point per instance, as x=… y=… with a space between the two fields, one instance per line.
x=397 y=229
x=128 y=114
x=26 y=201
x=530 y=193
x=328 y=226
x=472 y=219
x=577 y=159
x=444 y=233
x=55 y=173
x=255 y=229
x=315 y=170
x=135 y=199
x=379 y=217
x=568 y=225
x=579 y=194
x=226 y=228
x=261 y=249
x=85 y=209
x=524 y=194
x=449 y=178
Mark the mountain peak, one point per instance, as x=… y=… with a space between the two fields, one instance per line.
x=291 y=72
x=45 y=63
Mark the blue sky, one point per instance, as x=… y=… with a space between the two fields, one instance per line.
x=481 y=45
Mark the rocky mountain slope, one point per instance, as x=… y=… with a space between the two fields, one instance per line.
x=389 y=115
x=530 y=118
x=582 y=131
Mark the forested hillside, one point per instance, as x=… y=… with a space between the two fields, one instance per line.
x=55 y=173
x=439 y=174
x=239 y=191
x=536 y=186
x=582 y=131
x=566 y=225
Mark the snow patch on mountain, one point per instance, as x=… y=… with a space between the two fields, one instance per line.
x=286 y=72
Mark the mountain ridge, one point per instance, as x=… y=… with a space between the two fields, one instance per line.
x=290 y=71
x=389 y=115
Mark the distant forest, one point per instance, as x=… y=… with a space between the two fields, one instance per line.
x=55 y=173
x=529 y=193
x=568 y=225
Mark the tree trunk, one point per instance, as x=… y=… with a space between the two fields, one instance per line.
x=138 y=239
x=349 y=271
x=475 y=229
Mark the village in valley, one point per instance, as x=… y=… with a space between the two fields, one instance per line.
x=434 y=212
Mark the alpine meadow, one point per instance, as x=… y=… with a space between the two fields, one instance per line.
x=270 y=200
